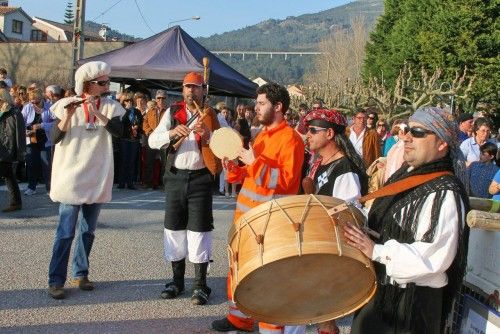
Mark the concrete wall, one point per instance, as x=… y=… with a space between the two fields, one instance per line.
x=46 y=63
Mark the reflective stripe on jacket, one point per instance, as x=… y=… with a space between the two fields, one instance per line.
x=276 y=171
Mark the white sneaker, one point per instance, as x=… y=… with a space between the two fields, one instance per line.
x=29 y=192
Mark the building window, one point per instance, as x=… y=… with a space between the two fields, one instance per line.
x=17 y=26
x=38 y=36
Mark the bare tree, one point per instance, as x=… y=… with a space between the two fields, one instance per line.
x=410 y=92
x=343 y=52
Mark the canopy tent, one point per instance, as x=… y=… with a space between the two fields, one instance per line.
x=162 y=61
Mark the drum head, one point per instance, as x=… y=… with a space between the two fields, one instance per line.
x=226 y=142
x=317 y=287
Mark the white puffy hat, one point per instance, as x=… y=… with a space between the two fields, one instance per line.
x=89 y=71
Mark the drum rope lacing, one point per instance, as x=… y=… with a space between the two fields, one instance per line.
x=335 y=225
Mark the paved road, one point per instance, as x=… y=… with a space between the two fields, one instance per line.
x=126 y=264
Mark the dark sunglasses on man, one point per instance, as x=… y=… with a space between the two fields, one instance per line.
x=314 y=130
x=418 y=132
x=100 y=82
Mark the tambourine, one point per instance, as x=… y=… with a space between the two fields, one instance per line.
x=226 y=142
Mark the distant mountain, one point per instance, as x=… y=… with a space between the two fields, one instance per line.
x=301 y=33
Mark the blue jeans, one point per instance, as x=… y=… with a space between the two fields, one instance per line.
x=69 y=215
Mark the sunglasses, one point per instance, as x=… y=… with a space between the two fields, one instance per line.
x=100 y=82
x=417 y=132
x=314 y=130
x=160 y=98
x=381 y=125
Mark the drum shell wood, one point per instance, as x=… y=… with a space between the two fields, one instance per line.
x=284 y=281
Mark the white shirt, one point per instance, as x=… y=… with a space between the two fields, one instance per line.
x=424 y=263
x=188 y=156
x=357 y=141
x=347 y=187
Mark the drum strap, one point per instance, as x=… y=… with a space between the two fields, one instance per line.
x=393 y=189
x=403 y=185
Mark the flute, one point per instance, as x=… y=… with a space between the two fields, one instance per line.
x=176 y=138
x=179 y=141
x=206 y=74
x=78 y=102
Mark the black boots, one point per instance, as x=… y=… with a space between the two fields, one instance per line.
x=175 y=288
x=201 y=291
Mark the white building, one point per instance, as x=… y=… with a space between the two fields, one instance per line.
x=50 y=31
x=15 y=24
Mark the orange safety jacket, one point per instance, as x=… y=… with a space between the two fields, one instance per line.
x=276 y=172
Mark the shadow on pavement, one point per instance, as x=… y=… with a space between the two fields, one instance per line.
x=184 y=325
x=104 y=293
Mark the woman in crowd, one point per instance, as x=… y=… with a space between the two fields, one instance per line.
x=481 y=132
x=394 y=138
x=481 y=172
x=35 y=140
x=383 y=133
x=395 y=154
x=130 y=142
x=21 y=98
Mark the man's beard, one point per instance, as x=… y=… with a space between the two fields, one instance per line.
x=267 y=118
x=191 y=100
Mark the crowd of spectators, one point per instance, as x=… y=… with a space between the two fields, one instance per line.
x=378 y=141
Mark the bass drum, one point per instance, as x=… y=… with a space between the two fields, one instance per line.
x=290 y=264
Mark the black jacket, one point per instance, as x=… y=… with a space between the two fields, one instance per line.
x=12 y=136
x=127 y=125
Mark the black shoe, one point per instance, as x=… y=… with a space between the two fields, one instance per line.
x=131 y=187
x=200 y=295
x=11 y=208
x=121 y=186
x=223 y=325
x=171 y=291
x=56 y=292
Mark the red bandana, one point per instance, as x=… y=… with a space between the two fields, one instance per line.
x=329 y=115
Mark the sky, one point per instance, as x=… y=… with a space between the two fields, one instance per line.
x=216 y=16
